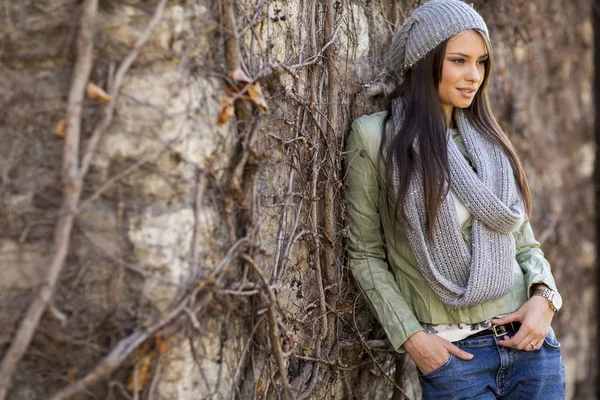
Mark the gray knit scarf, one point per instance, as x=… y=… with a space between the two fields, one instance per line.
x=459 y=275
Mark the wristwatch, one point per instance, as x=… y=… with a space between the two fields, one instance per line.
x=554 y=298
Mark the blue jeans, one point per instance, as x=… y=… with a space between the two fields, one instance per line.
x=498 y=372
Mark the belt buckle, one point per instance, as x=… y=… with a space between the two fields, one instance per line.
x=500 y=330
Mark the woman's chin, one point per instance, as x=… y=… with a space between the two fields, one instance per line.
x=463 y=104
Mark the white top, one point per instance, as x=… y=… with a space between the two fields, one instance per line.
x=462 y=212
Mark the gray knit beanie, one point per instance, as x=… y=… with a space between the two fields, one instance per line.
x=427 y=27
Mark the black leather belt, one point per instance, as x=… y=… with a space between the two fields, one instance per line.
x=498 y=330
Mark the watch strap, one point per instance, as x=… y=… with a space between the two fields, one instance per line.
x=548 y=294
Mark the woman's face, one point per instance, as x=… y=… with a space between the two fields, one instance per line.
x=462 y=70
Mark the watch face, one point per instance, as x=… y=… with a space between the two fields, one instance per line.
x=557 y=300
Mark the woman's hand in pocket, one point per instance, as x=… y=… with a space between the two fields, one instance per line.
x=430 y=351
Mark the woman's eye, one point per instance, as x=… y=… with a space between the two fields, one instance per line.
x=459 y=61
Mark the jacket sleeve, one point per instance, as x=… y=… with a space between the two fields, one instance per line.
x=531 y=259
x=366 y=250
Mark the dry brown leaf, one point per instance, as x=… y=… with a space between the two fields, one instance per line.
x=61 y=128
x=231 y=91
x=259 y=387
x=97 y=93
x=239 y=76
x=226 y=110
x=143 y=371
x=161 y=344
x=141 y=351
x=257 y=98
x=72 y=374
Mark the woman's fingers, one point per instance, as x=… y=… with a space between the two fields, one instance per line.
x=516 y=339
x=535 y=342
x=534 y=339
x=458 y=352
x=428 y=351
x=512 y=317
x=526 y=344
x=535 y=317
x=523 y=340
x=539 y=344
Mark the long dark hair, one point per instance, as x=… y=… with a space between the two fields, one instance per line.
x=424 y=118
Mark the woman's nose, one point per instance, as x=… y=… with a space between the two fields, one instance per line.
x=473 y=75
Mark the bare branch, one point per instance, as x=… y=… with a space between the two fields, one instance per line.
x=317 y=243
x=113 y=257
x=108 y=110
x=200 y=188
x=125 y=348
x=550 y=229
x=128 y=171
x=319 y=56
x=273 y=327
x=237 y=375
x=71 y=192
x=56 y=313
x=72 y=176
x=232 y=46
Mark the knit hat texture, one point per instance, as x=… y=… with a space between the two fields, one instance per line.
x=427 y=27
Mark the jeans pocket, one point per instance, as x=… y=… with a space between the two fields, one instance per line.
x=439 y=369
x=550 y=341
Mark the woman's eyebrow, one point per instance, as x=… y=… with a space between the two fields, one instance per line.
x=467 y=56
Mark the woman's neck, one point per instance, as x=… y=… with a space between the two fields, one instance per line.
x=448 y=110
x=452 y=123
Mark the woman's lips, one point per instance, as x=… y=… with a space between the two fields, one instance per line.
x=467 y=93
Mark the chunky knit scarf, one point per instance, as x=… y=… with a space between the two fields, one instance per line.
x=459 y=275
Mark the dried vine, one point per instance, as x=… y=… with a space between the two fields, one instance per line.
x=72 y=183
x=73 y=175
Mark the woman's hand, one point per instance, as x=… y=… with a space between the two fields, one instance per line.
x=430 y=351
x=535 y=317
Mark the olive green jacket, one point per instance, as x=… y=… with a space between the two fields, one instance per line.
x=386 y=269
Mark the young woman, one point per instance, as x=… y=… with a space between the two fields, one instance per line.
x=438 y=206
